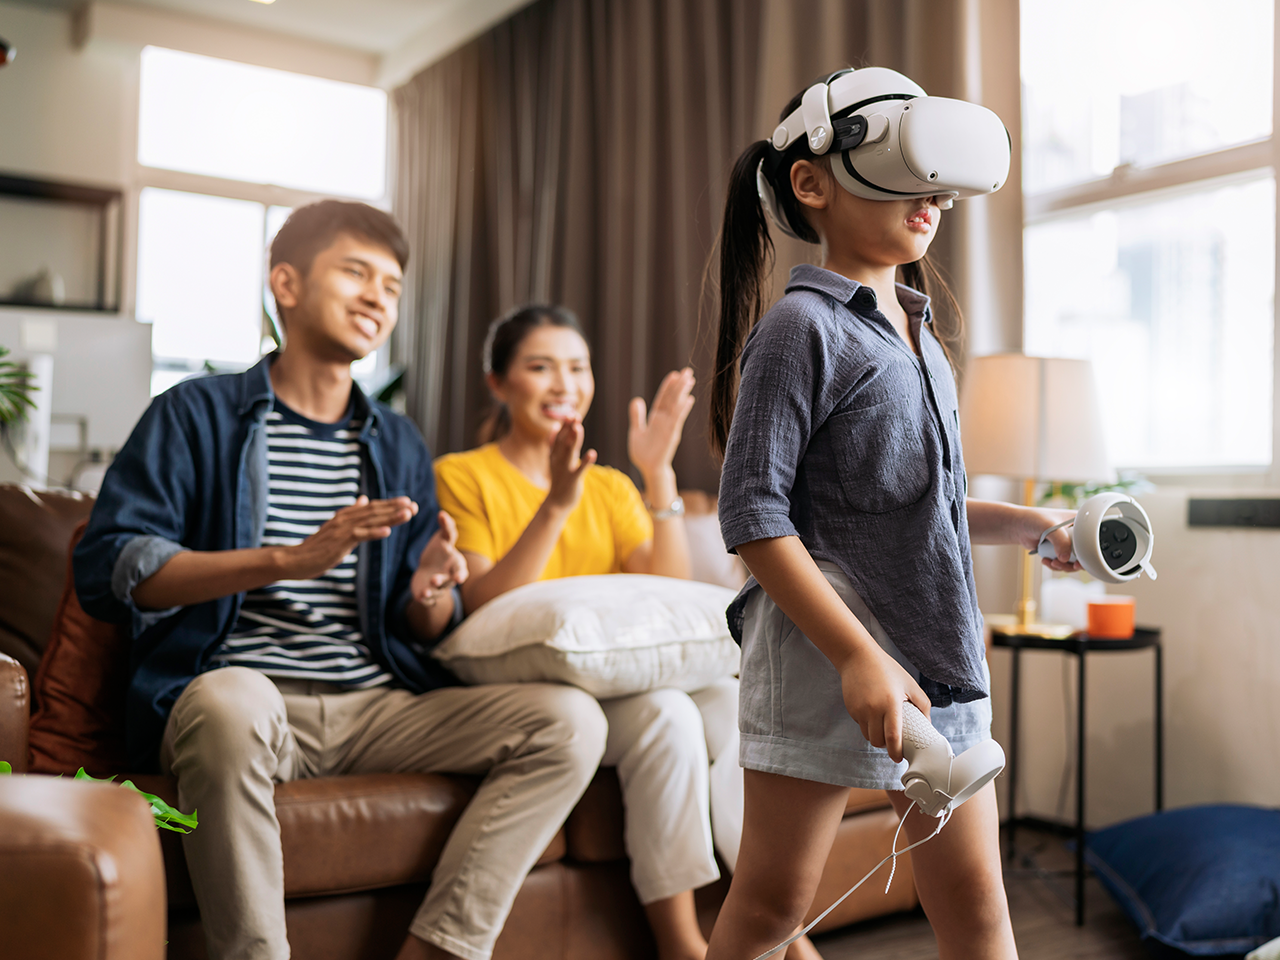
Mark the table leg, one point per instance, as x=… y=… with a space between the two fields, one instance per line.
x=1159 y=727
x=1080 y=699
x=1014 y=680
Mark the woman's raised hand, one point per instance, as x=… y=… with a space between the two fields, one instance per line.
x=568 y=465
x=654 y=434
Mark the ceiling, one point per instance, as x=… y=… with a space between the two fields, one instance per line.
x=372 y=26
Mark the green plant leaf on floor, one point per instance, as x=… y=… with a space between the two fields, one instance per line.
x=166 y=817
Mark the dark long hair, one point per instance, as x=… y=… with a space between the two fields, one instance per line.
x=501 y=345
x=746 y=262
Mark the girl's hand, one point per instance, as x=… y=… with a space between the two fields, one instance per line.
x=568 y=467
x=1033 y=521
x=874 y=686
x=652 y=440
x=441 y=567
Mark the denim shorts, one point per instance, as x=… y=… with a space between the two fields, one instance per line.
x=791 y=711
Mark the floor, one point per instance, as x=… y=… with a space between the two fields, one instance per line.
x=1040 y=888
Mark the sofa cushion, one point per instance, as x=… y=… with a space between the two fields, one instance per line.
x=79 y=690
x=342 y=834
x=594 y=828
x=34 y=529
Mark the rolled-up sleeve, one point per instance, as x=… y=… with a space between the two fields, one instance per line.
x=783 y=367
x=138 y=522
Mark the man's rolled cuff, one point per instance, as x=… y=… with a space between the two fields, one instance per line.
x=141 y=558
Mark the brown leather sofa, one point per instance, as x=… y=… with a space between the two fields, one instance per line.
x=358 y=851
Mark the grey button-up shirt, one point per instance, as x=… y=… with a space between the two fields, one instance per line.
x=843 y=437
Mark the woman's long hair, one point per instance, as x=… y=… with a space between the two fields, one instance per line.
x=501 y=346
x=746 y=262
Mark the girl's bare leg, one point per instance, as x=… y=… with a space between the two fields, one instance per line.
x=787 y=831
x=959 y=879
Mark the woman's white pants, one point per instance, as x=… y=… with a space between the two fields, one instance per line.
x=677 y=759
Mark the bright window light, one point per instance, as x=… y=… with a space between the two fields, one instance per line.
x=1140 y=82
x=200 y=276
x=1172 y=299
x=241 y=122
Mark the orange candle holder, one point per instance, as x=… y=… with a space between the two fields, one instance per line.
x=1111 y=617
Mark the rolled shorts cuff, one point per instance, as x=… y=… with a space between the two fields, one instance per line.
x=869 y=769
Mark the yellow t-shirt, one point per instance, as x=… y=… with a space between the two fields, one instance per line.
x=493 y=503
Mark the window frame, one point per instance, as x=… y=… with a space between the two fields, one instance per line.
x=267 y=194
x=1128 y=184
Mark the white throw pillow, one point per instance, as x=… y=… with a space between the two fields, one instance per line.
x=611 y=635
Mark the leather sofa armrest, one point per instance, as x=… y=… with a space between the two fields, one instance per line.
x=80 y=872
x=15 y=713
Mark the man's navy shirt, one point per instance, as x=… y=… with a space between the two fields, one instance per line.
x=193 y=476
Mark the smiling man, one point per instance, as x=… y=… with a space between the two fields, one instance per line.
x=272 y=540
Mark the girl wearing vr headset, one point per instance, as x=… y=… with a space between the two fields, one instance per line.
x=844 y=491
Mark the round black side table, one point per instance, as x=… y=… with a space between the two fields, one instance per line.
x=1079 y=644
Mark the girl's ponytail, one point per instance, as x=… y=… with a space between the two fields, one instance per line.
x=746 y=261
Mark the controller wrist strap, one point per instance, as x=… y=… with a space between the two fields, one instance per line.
x=942 y=822
x=1054 y=529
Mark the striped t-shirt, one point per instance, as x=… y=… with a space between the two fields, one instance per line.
x=306 y=629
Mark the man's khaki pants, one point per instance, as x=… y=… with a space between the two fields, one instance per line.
x=234 y=733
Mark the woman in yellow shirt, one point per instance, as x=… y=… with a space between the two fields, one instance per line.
x=530 y=505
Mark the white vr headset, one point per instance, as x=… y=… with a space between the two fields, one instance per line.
x=894 y=141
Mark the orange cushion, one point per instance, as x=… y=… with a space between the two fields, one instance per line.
x=79 y=690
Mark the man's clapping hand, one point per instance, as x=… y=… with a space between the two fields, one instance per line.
x=441 y=567
x=351 y=526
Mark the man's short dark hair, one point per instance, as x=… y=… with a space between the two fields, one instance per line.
x=314 y=227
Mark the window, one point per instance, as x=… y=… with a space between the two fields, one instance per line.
x=240 y=122
x=1150 y=236
x=225 y=152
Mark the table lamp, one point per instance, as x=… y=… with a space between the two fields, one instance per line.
x=1033 y=419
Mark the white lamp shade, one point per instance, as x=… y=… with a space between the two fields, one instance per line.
x=1035 y=418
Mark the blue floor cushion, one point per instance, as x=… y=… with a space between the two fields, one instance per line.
x=1201 y=880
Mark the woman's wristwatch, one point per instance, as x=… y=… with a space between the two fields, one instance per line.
x=676 y=509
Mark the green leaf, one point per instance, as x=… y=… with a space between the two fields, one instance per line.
x=165 y=816
x=5 y=767
x=16 y=388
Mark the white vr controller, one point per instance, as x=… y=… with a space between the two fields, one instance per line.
x=1110 y=537
x=936 y=779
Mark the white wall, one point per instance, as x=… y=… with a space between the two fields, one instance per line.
x=69 y=114
x=1219 y=610
x=65 y=114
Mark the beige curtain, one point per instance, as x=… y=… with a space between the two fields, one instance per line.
x=579 y=152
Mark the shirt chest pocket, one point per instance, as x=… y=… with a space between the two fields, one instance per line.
x=880 y=457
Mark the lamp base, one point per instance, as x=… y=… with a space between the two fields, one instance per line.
x=1007 y=625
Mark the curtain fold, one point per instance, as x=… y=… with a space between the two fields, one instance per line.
x=579 y=153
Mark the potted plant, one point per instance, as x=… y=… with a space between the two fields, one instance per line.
x=15 y=390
